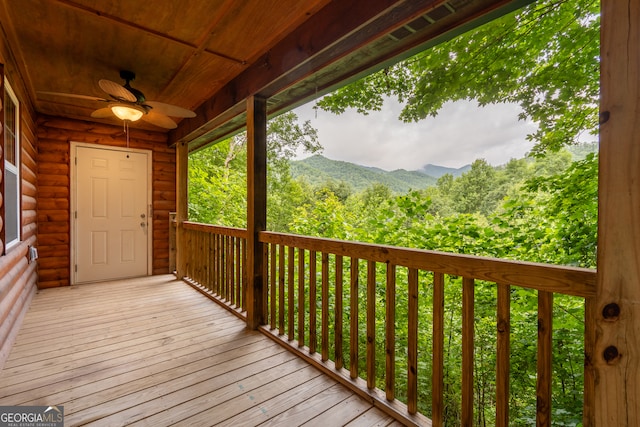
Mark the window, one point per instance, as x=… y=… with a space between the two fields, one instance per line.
x=11 y=168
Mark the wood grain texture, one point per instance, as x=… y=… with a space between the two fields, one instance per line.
x=412 y=346
x=339 y=314
x=544 y=359
x=371 y=325
x=256 y=207
x=468 y=329
x=18 y=278
x=561 y=279
x=617 y=349
x=503 y=355
x=390 y=333
x=155 y=352
x=437 y=381
x=53 y=197
x=354 y=318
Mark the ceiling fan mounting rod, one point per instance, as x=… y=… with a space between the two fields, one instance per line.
x=127 y=75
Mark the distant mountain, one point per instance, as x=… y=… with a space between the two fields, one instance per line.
x=318 y=169
x=437 y=171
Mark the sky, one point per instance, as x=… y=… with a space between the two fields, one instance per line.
x=461 y=133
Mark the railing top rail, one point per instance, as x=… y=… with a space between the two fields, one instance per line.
x=208 y=228
x=545 y=277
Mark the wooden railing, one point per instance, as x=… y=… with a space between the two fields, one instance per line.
x=216 y=261
x=324 y=301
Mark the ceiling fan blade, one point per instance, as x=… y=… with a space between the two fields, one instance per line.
x=72 y=95
x=159 y=120
x=102 y=113
x=170 y=110
x=117 y=91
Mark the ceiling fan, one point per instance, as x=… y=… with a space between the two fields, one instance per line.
x=129 y=104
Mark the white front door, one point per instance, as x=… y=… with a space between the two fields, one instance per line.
x=111 y=213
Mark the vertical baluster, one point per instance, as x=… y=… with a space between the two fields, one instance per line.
x=545 y=331
x=338 y=338
x=189 y=246
x=273 y=295
x=412 y=347
x=193 y=263
x=205 y=259
x=371 y=324
x=265 y=275
x=588 y=416
x=467 y=350
x=325 y=307
x=230 y=270
x=390 y=333
x=216 y=282
x=218 y=270
x=313 y=332
x=301 y=299
x=196 y=257
x=238 y=271
x=212 y=262
x=201 y=260
x=503 y=355
x=281 y=274
x=437 y=380
x=354 y=317
x=209 y=261
x=245 y=271
x=291 y=300
x=223 y=268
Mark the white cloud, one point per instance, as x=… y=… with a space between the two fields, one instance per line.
x=461 y=133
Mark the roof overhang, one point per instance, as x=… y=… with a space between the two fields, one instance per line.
x=332 y=49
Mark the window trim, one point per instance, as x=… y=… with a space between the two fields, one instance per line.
x=14 y=169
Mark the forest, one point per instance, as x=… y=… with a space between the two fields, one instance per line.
x=542 y=208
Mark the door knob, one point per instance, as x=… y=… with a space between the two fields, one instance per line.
x=143 y=216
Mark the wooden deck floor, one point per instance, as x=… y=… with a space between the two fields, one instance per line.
x=154 y=351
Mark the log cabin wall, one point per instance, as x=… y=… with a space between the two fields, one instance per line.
x=18 y=276
x=54 y=198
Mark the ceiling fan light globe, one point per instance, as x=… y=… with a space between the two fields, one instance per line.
x=127 y=113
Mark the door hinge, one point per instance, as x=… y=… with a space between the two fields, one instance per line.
x=75 y=214
x=75 y=268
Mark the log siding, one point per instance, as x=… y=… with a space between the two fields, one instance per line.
x=54 y=198
x=18 y=276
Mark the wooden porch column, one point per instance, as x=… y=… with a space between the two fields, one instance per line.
x=182 y=213
x=617 y=349
x=256 y=206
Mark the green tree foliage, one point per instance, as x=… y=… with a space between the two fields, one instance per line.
x=536 y=209
x=217 y=175
x=544 y=209
x=545 y=58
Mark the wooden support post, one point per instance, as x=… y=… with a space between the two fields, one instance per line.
x=616 y=356
x=182 y=213
x=256 y=207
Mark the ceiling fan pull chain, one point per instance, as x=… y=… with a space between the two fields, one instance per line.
x=126 y=131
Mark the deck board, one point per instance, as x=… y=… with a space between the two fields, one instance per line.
x=154 y=351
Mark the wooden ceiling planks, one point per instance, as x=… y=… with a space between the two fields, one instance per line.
x=210 y=55
x=342 y=41
x=182 y=52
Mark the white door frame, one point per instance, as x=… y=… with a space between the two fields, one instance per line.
x=74 y=202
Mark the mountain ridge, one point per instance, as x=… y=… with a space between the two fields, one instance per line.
x=318 y=169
